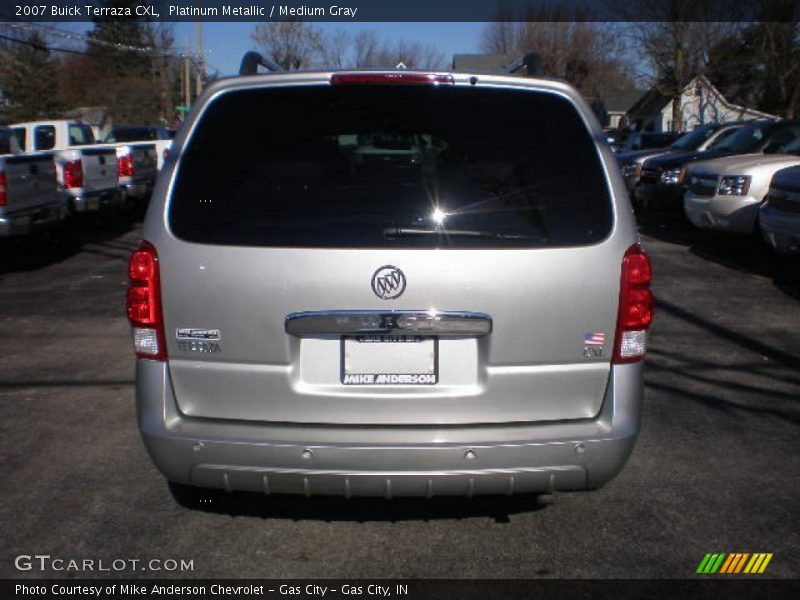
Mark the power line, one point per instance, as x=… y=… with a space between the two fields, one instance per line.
x=40 y=28
x=41 y=46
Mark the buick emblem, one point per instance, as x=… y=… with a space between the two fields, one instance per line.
x=388 y=282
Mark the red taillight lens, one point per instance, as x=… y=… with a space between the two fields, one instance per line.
x=73 y=174
x=125 y=166
x=165 y=154
x=143 y=304
x=3 y=197
x=635 y=307
x=390 y=78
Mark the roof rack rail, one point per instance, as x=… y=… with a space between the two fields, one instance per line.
x=531 y=63
x=251 y=61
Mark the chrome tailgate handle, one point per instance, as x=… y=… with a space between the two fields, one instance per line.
x=400 y=322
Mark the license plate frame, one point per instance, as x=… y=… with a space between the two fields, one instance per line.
x=352 y=372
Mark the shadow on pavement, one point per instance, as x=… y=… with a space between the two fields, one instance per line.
x=75 y=235
x=743 y=253
x=360 y=510
x=763 y=381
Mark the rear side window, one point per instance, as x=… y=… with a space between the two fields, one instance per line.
x=19 y=141
x=656 y=140
x=783 y=140
x=722 y=137
x=44 y=137
x=379 y=166
x=5 y=141
x=80 y=135
x=748 y=139
x=132 y=134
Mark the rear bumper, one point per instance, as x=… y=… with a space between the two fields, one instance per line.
x=388 y=461
x=728 y=213
x=780 y=230
x=82 y=201
x=137 y=190
x=22 y=222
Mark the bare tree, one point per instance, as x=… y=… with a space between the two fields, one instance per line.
x=291 y=44
x=677 y=51
x=776 y=40
x=676 y=38
x=335 y=49
x=366 y=49
x=589 y=55
x=414 y=55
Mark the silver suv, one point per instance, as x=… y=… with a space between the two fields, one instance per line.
x=389 y=284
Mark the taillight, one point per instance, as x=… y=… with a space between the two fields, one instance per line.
x=73 y=174
x=143 y=304
x=125 y=166
x=635 y=307
x=165 y=154
x=3 y=197
x=383 y=78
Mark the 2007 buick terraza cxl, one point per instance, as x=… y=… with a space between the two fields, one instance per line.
x=389 y=284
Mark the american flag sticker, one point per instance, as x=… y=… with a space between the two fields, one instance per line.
x=596 y=338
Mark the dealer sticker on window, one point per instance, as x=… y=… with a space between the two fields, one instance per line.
x=389 y=360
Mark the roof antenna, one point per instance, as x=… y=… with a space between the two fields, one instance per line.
x=252 y=60
x=531 y=63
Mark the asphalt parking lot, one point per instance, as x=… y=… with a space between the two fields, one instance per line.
x=717 y=466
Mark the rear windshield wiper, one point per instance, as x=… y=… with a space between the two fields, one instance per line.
x=396 y=232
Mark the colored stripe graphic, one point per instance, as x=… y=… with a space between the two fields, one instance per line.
x=734 y=563
x=758 y=563
x=711 y=563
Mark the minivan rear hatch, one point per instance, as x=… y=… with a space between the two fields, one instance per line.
x=327 y=242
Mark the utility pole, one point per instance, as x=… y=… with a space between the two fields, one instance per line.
x=187 y=98
x=198 y=31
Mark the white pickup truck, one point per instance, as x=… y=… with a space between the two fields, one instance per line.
x=138 y=160
x=161 y=137
x=86 y=172
x=29 y=196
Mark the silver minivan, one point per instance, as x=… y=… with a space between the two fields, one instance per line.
x=389 y=284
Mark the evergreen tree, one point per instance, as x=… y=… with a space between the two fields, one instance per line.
x=28 y=76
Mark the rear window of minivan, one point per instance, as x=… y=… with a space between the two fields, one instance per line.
x=391 y=166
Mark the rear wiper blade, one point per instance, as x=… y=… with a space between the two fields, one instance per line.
x=395 y=232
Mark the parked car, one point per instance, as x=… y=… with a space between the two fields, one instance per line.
x=700 y=139
x=616 y=138
x=779 y=217
x=649 y=140
x=160 y=136
x=476 y=327
x=86 y=172
x=662 y=183
x=726 y=193
x=29 y=198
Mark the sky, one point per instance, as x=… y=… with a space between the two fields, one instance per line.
x=226 y=43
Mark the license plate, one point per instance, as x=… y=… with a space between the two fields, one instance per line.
x=389 y=360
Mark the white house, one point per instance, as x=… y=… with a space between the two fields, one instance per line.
x=701 y=103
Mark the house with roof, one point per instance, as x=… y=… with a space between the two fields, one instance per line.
x=617 y=104
x=701 y=102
